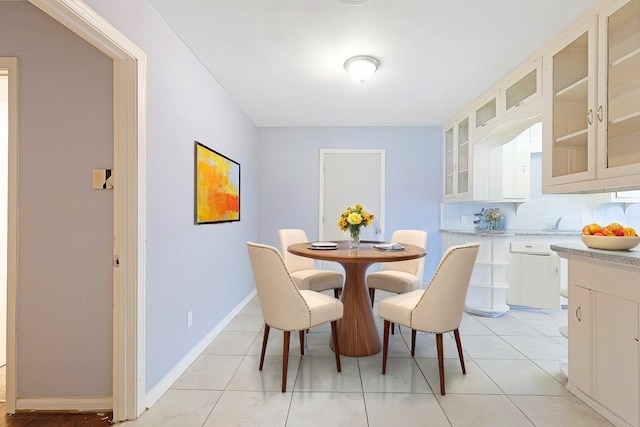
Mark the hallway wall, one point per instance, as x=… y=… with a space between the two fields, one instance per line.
x=64 y=290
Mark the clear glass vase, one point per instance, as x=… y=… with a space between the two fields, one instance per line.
x=354 y=238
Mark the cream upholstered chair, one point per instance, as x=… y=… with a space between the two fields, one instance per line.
x=303 y=271
x=400 y=276
x=288 y=308
x=437 y=309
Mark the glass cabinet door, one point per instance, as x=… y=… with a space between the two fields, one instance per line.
x=449 y=184
x=619 y=90
x=462 y=169
x=573 y=128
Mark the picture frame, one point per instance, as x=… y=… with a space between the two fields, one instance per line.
x=217 y=186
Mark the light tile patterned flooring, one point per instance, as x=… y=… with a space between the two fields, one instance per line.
x=512 y=379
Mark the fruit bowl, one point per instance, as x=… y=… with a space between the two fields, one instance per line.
x=611 y=243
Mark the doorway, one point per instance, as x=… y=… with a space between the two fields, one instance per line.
x=129 y=132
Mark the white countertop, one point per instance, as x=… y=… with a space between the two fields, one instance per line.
x=631 y=257
x=512 y=233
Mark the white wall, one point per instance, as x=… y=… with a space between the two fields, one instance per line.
x=289 y=178
x=64 y=290
x=204 y=269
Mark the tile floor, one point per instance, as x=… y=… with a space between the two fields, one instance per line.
x=512 y=379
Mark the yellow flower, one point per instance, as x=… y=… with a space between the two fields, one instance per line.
x=353 y=218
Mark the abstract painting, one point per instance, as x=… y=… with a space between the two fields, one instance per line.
x=217 y=187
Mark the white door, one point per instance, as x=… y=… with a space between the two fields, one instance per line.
x=347 y=178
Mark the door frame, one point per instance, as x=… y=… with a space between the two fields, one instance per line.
x=129 y=192
x=381 y=215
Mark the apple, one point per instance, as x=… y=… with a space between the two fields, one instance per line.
x=619 y=233
x=598 y=233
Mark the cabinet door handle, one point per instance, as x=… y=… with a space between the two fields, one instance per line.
x=600 y=115
x=524 y=168
x=590 y=116
x=579 y=314
x=556 y=271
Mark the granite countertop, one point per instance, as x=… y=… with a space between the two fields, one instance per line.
x=631 y=257
x=512 y=233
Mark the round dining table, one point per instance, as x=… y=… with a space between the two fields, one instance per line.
x=357 y=332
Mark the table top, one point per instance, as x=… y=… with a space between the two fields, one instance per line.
x=365 y=254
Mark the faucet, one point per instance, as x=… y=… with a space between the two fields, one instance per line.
x=557 y=224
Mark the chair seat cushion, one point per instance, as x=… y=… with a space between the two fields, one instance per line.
x=323 y=308
x=398 y=282
x=317 y=280
x=398 y=308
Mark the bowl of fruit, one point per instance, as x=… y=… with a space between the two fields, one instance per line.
x=613 y=237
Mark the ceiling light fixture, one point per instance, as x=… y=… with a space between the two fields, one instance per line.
x=352 y=2
x=361 y=67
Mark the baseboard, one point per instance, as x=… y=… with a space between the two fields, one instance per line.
x=165 y=383
x=81 y=404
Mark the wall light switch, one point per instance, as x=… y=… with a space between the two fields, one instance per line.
x=102 y=179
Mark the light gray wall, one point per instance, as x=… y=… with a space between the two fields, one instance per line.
x=205 y=268
x=289 y=178
x=64 y=292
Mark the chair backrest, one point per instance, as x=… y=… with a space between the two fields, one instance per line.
x=288 y=237
x=414 y=266
x=282 y=304
x=440 y=308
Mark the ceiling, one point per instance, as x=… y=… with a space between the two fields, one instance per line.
x=282 y=60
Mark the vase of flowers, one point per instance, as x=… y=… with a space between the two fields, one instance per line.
x=352 y=220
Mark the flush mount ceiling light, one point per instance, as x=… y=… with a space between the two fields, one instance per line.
x=352 y=2
x=361 y=67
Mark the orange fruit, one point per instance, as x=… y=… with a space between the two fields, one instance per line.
x=591 y=228
x=629 y=232
x=614 y=226
x=608 y=232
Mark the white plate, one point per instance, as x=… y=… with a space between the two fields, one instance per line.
x=323 y=248
x=324 y=245
x=610 y=243
x=389 y=246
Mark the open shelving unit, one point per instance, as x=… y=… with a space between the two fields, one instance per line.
x=487 y=295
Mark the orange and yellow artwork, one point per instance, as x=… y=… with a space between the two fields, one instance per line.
x=217 y=187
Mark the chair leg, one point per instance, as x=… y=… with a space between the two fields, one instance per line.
x=337 y=292
x=385 y=346
x=285 y=359
x=460 y=355
x=301 y=342
x=413 y=342
x=336 y=345
x=372 y=295
x=265 y=338
x=440 y=362
x=393 y=328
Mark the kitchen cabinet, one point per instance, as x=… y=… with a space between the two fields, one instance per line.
x=523 y=85
x=604 y=331
x=457 y=160
x=579 y=322
x=485 y=110
x=509 y=169
x=534 y=275
x=592 y=114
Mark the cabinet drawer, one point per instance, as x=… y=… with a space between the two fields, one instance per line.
x=532 y=248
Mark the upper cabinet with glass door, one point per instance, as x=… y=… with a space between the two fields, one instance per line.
x=592 y=125
x=618 y=110
x=457 y=160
